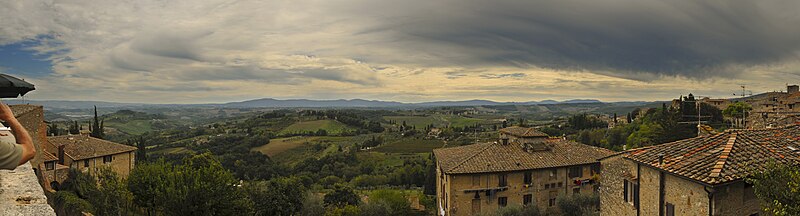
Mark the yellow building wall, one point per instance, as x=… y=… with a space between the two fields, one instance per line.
x=456 y=201
x=121 y=163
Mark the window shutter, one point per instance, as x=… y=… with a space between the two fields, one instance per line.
x=625 y=190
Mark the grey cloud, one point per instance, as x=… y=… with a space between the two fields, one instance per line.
x=498 y=76
x=691 y=38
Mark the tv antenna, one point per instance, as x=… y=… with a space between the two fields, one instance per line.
x=744 y=94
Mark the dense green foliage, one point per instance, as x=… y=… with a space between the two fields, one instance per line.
x=778 y=187
x=279 y=196
x=341 y=196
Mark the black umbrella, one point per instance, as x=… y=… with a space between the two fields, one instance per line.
x=12 y=87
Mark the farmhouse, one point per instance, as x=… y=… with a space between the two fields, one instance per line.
x=696 y=176
x=524 y=167
x=87 y=154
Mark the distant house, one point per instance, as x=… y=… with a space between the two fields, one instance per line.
x=87 y=154
x=524 y=167
x=696 y=176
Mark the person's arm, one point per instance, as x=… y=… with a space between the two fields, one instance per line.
x=22 y=136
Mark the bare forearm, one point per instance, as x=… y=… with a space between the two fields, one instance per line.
x=20 y=133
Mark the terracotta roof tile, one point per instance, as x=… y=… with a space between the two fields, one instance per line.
x=522 y=132
x=726 y=156
x=81 y=146
x=496 y=157
x=46 y=156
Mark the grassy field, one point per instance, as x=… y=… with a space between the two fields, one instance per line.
x=134 y=127
x=176 y=150
x=458 y=121
x=277 y=146
x=333 y=127
x=417 y=121
x=410 y=145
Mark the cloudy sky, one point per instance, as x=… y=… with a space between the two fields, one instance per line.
x=174 y=51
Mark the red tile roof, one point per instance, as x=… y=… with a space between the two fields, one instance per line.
x=522 y=132
x=46 y=156
x=80 y=147
x=724 y=157
x=496 y=157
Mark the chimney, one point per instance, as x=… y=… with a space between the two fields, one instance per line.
x=660 y=159
x=792 y=89
x=61 y=154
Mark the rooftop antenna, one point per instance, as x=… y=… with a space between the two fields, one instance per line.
x=744 y=94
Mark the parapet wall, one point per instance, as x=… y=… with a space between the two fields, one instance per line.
x=21 y=194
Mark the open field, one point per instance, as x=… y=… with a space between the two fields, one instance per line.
x=410 y=145
x=133 y=127
x=176 y=150
x=277 y=146
x=331 y=126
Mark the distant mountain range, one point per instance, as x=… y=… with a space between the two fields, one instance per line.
x=278 y=103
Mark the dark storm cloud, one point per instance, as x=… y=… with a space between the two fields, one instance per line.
x=639 y=39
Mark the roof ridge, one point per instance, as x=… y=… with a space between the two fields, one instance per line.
x=470 y=157
x=723 y=157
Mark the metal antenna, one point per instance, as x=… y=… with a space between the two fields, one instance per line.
x=744 y=94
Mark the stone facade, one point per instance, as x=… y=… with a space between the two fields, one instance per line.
x=466 y=194
x=684 y=196
x=121 y=163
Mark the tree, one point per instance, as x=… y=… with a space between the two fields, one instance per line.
x=67 y=203
x=280 y=196
x=112 y=196
x=578 y=205
x=778 y=187
x=341 y=196
x=396 y=201
x=737 y=109
x=148 y=183
x=200 y=186
x=97 y=126
x=74 y=128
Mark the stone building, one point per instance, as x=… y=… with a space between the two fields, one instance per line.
x=696 y=176
x=87 y=154
x=524 y=167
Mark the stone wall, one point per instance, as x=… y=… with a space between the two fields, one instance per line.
x=736 y=199
x=460 y=202
x=21 y=194
x=614 y=171
x=122 y=164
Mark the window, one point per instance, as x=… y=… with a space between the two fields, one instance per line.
x=527 y=199
x=748 y=193
x=476 y=206
x=501 y=180
x=502 y=201
x=576 y=172
x=670 y=209
x=625 y=190
x=86 y=163
x=50 y=165
x=546 y=186
x=552 y=200
x=528 y=178
x=576 y=191
x=561 y=184
x=476 y=180
x=107 y=159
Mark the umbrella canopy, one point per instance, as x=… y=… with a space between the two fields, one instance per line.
x=12 y=87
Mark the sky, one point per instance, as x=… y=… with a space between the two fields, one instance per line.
x=210 y=51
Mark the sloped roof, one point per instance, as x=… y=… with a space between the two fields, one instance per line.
x=496 y=157
x=82 y=146
x=47 y=157
x=522 y=132
x=723 y=157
